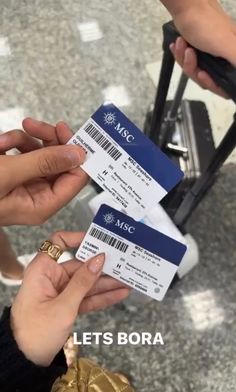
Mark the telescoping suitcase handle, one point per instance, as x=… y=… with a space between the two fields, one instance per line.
x=221 y=71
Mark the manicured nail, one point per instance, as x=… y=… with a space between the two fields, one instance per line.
x=76 y=157
x=96 y=263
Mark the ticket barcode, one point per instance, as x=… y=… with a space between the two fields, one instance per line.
x=108 y=239
x=102 y=141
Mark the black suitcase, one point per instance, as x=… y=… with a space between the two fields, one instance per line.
x=190 y=145
x=183 y=131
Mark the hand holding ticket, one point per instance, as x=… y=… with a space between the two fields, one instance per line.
x=124 y=162
x=136 y=254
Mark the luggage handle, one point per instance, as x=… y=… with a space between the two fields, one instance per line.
x=221 y=71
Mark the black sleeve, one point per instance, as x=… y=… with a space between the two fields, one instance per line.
x=17 y=373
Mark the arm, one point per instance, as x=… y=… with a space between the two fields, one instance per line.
x=175 y=7
x=206 y=26
x=19 y=373
x=51 y=296
x=34 y=330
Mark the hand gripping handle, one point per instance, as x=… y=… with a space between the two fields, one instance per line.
x=221 y=71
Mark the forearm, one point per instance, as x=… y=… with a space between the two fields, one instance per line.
x=176 y=7
x=17 y=373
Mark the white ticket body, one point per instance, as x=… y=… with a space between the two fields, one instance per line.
x=136 y=254
x=124 y=162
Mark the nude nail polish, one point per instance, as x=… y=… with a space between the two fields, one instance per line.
x=96 y=263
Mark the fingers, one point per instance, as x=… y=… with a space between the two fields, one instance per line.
x=64 y=132
x=106 y=284
x=44 y=162
x=179 y=49
x=67 y=186
x=104 y=300
x=186 y=57
x=189 y=64
x=208 y=83
x=81 y=282
x=67 y=239
x=18 y=139
x=49 y=134
x=191 y=69
x=41 y=130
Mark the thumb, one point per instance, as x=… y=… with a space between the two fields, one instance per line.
x=81 y=282
x=43 y=162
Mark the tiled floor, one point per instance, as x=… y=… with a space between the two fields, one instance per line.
x=51 y=71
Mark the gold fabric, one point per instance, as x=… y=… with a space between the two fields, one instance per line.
x=86 y=376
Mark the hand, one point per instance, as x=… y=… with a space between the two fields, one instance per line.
x=207 y=27
x=186 y=57
x=52 y=295
x=41 y=180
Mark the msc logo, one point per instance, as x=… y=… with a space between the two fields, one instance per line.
x=109 y=219
x=124 y=133
x=125 y=226
x=110 y=119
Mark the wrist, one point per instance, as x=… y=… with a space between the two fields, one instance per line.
x=27 y=343
x=18 y=372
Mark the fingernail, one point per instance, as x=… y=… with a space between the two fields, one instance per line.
x=37 y=122
x=187 y=55
x=172 y=47
x=62 y=123
x=76 y=157
x=179 y=43
x=96 y=263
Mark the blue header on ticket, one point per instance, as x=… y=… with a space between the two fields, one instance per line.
x=140 y=234
x=138 y=146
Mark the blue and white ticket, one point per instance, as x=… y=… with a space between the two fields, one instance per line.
x=124 y=162
x=136 y=254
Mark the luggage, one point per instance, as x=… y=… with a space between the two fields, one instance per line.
x=183 y=131
x=190 y=145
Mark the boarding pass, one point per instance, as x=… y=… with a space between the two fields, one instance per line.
x=136 y=254
x=124 y=162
